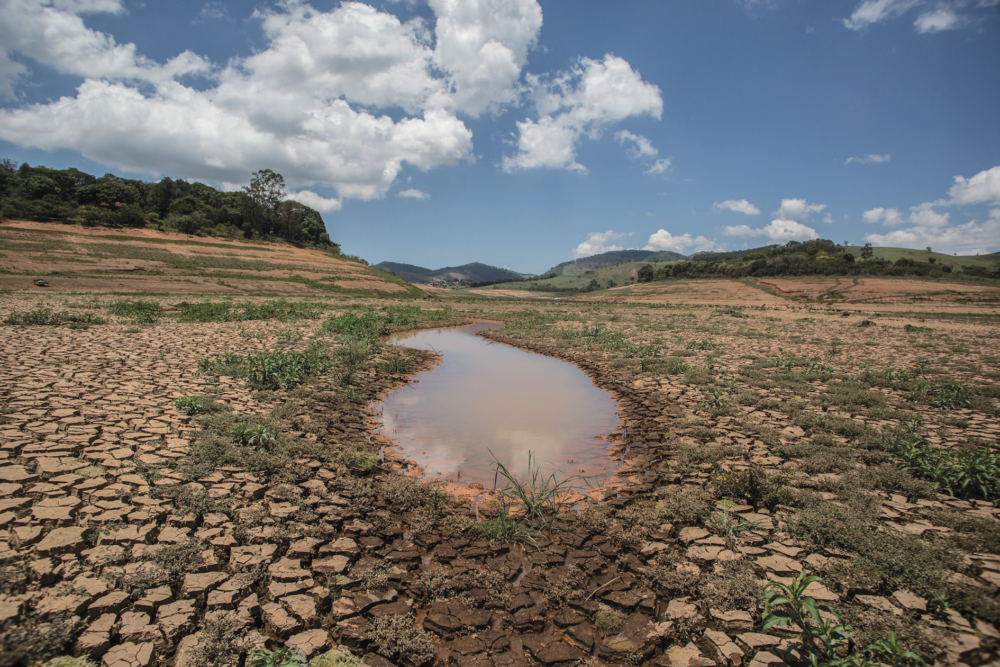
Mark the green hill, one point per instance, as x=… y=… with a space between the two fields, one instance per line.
x=580 y=266
x=473 y=272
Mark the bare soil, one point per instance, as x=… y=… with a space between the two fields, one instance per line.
x=114 y=545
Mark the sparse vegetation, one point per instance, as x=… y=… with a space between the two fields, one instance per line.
x=48 y=317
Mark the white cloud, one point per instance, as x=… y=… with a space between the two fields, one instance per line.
x=873 y=11
x=642 y=147
x=484 y=44
x=313 y=200
x=923 y=216
x=306 y=104
x=738 y=205
x=869 y=159
x=937 y=20
x=53 y=34
x=984 y=187
x=598 y=242
x=887 y=216
x=661 y=166
x=797 y=209
x=967 y=239
x=590 y=96
x=664 y=240
x=778 y=231
x=413 y=193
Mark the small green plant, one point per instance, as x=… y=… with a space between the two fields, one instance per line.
x=719 y=399
x=194 y=405
x=947 y=396
x=728 y=526
x=703 y=344
x=260 y=436
x=352 y=394
x=279 y=657
x=732 y=311
x=789 y=605
x=289 y=335
x=938 y=605
x=909 y=328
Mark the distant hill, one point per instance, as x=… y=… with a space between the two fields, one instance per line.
x=584 y=264
x=473 y=272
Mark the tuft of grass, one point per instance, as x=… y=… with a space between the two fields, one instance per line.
x=397 y=638
x=537 y=495
x=270 y=370
x=358 y=458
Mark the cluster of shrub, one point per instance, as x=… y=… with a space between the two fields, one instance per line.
x=257 y=211
x=817 y=257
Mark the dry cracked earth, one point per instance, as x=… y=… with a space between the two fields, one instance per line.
x=116 y=546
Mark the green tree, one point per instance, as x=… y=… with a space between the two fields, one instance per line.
x=261 y=199
x=646 y=273
x=867 y=252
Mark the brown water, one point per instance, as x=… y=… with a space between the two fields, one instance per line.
x=487 y=397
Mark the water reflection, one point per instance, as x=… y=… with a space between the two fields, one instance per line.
x=486 y=397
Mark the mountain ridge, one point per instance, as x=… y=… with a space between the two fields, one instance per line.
x=472 y=272
x=610 y=258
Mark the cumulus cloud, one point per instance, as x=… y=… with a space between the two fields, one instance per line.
x=313 y=200
x=936 y=21
x=320 y=102
x=933 y=228
x=873 y=11
x=924 y=216
x=738 y=205
x=54 y=34
x=966 y=239
x=589 y=97
x=413 y=193
x=778 y=231
x=664 y=240
x=869 y=159
x=598 y=242
x=982 y=188
x=484 y=44
x=887 y=216
x=797 y=209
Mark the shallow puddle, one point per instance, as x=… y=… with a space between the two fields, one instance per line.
x=486 y=399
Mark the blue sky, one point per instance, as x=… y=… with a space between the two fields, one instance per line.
x=522 y=133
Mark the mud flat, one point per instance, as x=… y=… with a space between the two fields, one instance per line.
x=139 y=534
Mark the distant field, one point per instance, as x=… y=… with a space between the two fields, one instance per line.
x=75 y=258
x=621 y=274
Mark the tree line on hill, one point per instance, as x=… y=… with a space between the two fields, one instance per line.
x=259 y=210
x=819 y=257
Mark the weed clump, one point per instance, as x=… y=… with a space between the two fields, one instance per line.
x=752 y=486
x=683 y=504
x=222 y=642
x=609 y=621
x=358 y=458
x=269 y=310
x=396 y=638
x=270 y=370
x=197 y=405
x=141 y=312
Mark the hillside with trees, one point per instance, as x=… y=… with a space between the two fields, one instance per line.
x=259 y=210
x=610 y=258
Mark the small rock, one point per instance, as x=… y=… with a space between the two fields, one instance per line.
x=129 y=655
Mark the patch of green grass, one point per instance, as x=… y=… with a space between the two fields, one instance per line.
x=141 y=312
x=909 y=328
x=270 y=310
x=946 y=396
x=48 y=317
x=270 y=370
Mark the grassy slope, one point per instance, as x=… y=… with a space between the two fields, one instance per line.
x=620 y=273
x=93 y=255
